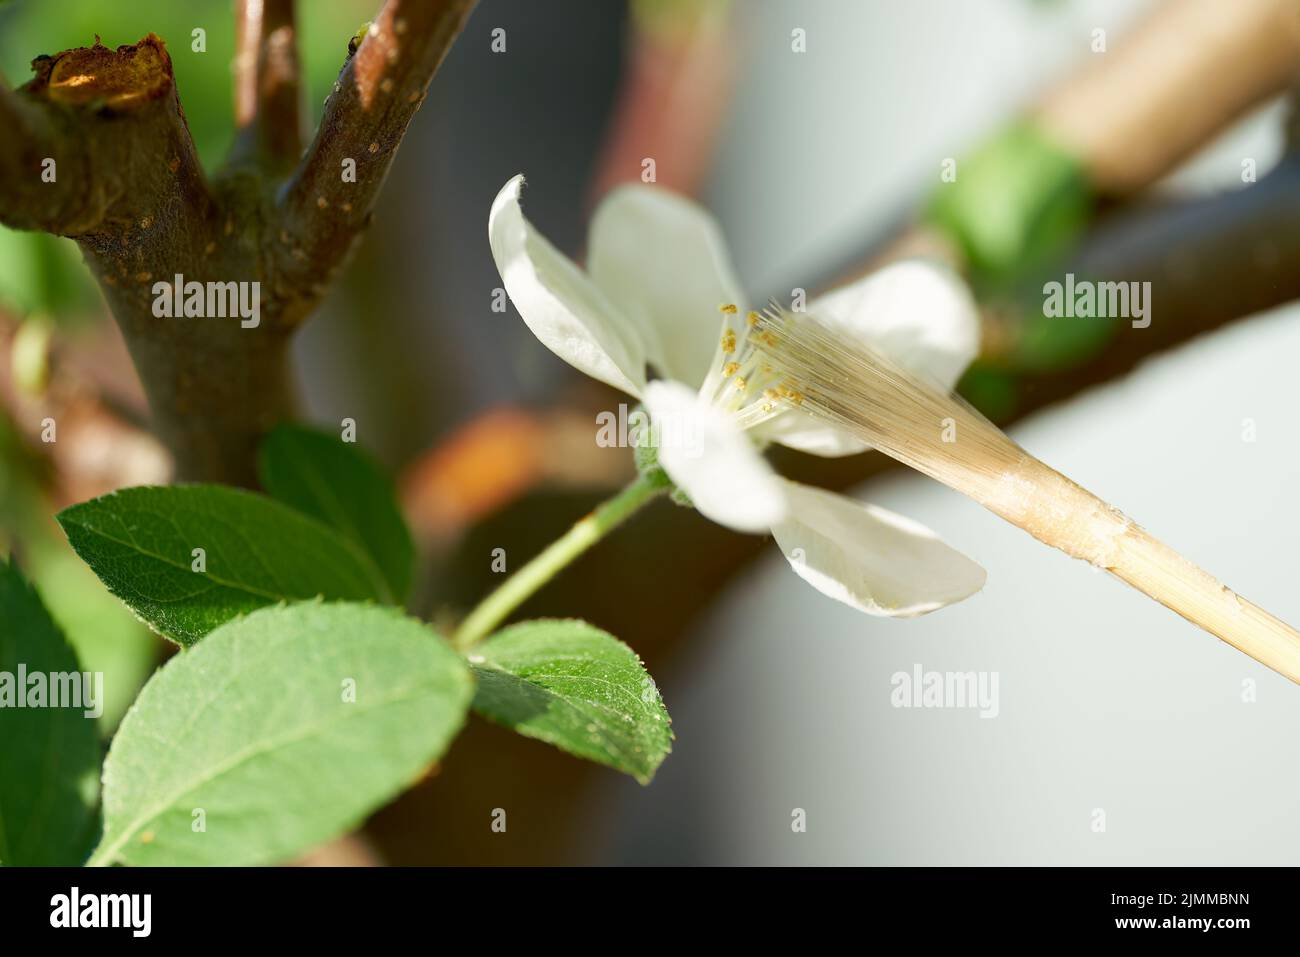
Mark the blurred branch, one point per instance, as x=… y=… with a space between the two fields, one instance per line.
x=382 y=85
x=498 y=457
x=97 y=449
x=1180 y=77
x=1184 y=73
x=1209 y=261
x=267 y=85
x=678 y=83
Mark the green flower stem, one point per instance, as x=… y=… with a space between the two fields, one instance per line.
x=496 y=607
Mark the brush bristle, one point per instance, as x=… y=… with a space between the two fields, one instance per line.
x=851 y=385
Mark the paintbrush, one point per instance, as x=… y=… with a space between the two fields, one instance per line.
x=855 y=387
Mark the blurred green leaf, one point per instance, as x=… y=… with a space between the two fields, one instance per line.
x=1014 y=203
x=49 y=755
x=105 y=635
x=256 y=552
x=21 y=499
x=103 y=632
x=994 y=391
x=277 y=732
x=43 y=273
x=1053 y=343
x=337 y=483
x=572 y=685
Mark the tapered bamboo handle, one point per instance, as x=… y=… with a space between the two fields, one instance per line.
x=1157 y=570
x=1063 y=514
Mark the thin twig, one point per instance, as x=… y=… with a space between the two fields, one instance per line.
x=329 y=199
x=268 y=84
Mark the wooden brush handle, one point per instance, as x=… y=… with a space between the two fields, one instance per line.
x=1066 y=516
x=1155 y=569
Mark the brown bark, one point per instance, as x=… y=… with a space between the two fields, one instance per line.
x=376 y=95
x=130 y=189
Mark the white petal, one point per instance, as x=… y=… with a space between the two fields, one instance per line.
x=870 y=558
x=712 y=461
x=661 y=259
x=799 y=430
x=560 y=304
x=918 y=313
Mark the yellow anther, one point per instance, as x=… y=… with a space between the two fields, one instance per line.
x=771 y=394
x=730 y=369
x=728 y=342
x=740 y=383
x=729 y=308
x=751 y=318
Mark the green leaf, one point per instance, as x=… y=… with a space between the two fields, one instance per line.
x=572 y=685
x=257 y=552
x=43 y=273
x=103 y=633
x=1016 y=201
x=251 y=735
x=49 y=756
x=336 y=482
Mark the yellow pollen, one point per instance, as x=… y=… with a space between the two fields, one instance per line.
x=728 y=342
x=729 y=308
x=752 y=318
x=771 y=394
x=740 y=383
x=730 y=369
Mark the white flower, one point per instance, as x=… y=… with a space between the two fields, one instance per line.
x=657 y=274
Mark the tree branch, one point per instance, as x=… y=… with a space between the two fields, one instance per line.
x=268 y=92
x=119 y=109
x=130 y=189
x=324 y=208
x=1186 y=71
x=100 y=151
x=1208 y=260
